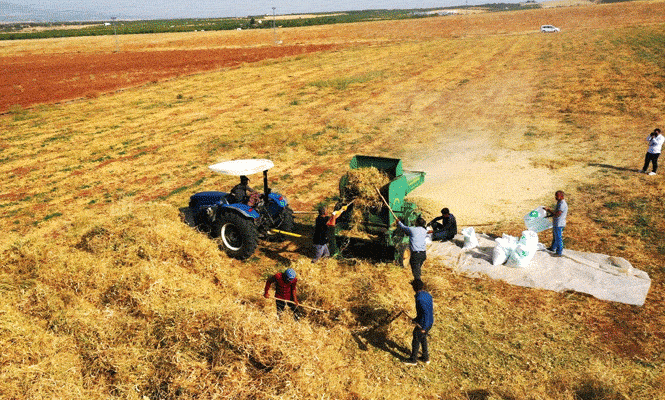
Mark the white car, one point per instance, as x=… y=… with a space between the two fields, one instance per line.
x=549 y=28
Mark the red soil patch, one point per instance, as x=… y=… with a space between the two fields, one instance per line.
x=13 y=196
x=47 y=78
x=316 y=170
x=22 y=171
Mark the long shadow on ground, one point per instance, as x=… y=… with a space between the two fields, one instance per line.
x=375 y=331
x=613 y=167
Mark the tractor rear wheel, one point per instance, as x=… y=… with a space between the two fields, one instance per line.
x=286 y=218
x=283 y=222
x=236 y=235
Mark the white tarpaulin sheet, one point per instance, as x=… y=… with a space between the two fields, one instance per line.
x=602 y=276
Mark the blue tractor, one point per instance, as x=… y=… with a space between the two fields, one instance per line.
x=238 y=224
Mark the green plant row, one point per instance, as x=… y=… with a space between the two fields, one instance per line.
x=16 y=31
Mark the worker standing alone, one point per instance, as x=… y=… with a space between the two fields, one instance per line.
x=417 y=243
x=285 y=289
x=655 y=140
x=424 y=320
x=559 y=222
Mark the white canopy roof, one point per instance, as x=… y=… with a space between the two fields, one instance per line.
x=242 y=167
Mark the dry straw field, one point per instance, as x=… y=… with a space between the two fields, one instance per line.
x=105 y=293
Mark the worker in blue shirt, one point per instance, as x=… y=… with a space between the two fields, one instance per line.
x=424 y=320
x=417 y=236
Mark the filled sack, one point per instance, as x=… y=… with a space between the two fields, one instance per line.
x=470 y=239
x=504 y=247
x=537 y=221
x=525 y=250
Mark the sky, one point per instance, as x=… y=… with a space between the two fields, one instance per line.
x=165 y=9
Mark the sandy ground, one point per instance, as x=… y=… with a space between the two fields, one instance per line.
x=479 y=163
x=480 y=184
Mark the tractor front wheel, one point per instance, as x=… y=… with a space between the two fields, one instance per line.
x=236 y=235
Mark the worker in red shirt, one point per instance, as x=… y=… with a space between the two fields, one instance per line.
x=285 y=289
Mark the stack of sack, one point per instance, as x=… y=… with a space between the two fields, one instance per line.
x=509 y=250
x=513 y=252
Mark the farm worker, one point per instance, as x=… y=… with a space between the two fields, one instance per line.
x=285 y=289
x=655 y=140
x=321 y=232
x=558 y=222
x=446 y=229
x=417 y=236
x=239 y=191
x=424 y=320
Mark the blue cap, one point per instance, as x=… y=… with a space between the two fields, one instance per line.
x=290 y=274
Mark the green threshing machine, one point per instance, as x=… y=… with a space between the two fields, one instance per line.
x=379 y=223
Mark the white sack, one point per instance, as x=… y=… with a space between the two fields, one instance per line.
x=537 y=221
x=529 y=239
x=499 y=254
x=504 y=247
x=524 y=251
x=470 y=239
x=521 y=257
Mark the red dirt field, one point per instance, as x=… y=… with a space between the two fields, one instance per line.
x=50 y=71
x=49 y=78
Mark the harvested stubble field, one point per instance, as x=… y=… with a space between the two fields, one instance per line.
x=106 y=293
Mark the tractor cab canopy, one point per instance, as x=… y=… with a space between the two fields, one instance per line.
x=242 y=167
x=246 y=167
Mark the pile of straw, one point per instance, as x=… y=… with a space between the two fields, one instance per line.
x=361 y=189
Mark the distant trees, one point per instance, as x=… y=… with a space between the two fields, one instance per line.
x=97 y=28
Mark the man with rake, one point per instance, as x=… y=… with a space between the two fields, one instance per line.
x=285 y=290
x=424 y=320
